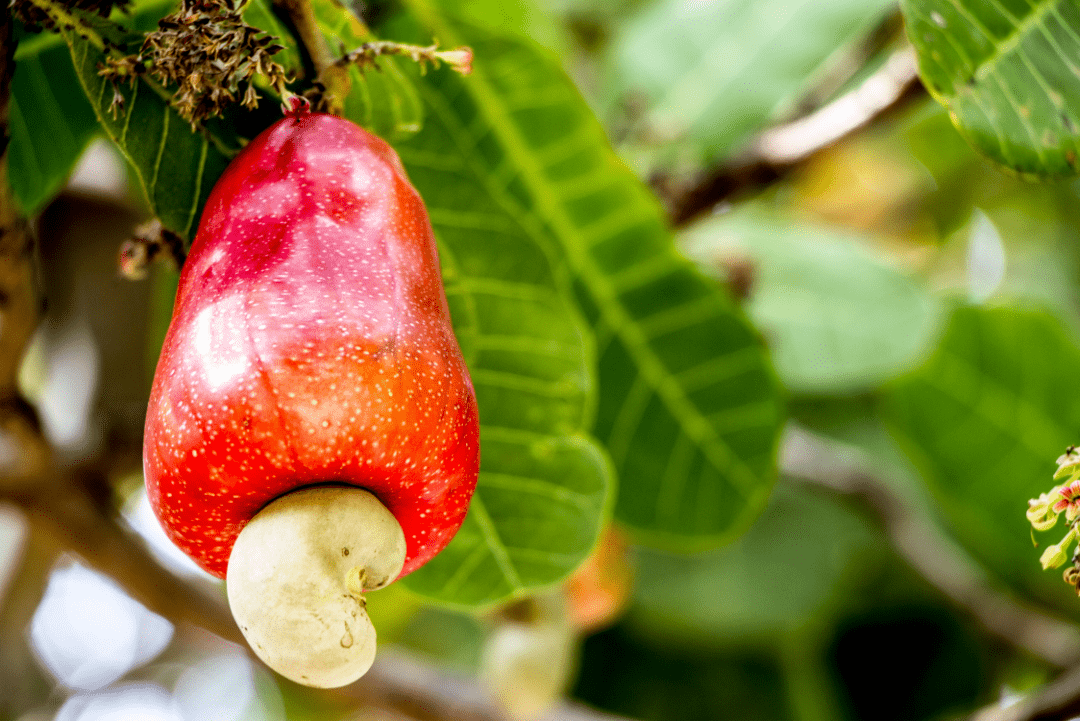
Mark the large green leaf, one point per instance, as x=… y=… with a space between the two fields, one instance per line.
x=838 y=319
x=689 y=406
x=984 y=420
x=714 y=72
x=788 y=568
x=49 y=125
x=544 y=487
x=1009 y=75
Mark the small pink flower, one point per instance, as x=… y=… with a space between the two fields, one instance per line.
x=1069 y=501
x=459 y=59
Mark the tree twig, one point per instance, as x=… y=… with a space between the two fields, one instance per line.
x=18 y=307
x=1058 y=700
x=302 y=16
x=776 y=151
x=460 y=59
x=792 y=142
x=22 y=678
x=814 y=460
x=62 y=507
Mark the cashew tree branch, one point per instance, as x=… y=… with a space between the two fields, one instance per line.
x=777 y=151
x=935 y=556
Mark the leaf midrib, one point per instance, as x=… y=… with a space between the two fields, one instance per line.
x=691 y=82
x=1011 y=41
x=494 y=541
x=743 y=479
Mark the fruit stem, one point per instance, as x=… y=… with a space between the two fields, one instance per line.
x=295 y=106
x=354 y=581
x=312 y=43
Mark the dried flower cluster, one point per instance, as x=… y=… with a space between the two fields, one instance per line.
x=151 y=241
x=211 y=55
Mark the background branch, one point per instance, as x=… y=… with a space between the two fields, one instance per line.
x=63 y=507
x=1058 y=700
x=931 y=552
x=399 y=684
x=777 y=151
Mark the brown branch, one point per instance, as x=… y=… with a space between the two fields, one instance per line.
x=779 y=150
x=24 y=681
x=932 y=553
x=1058 y=700
x=62 y=506
x=302 y=17
x=18 y=308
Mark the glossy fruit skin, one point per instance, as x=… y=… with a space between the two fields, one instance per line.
x=310 y=343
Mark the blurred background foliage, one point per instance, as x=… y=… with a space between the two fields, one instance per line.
x=919 y=305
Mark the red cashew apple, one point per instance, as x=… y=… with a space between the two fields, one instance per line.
x=311 y=347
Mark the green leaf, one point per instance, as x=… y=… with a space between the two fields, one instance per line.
x=789 y=568
x=50 y=126
x=545 y=487
x=714 y=72
x=984 y=420
x=176 y=167
x=689 y=406
x=838 y=320
x=535 y=516
x=1009 y=75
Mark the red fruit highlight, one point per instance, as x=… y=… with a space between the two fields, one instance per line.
x=311 y=344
